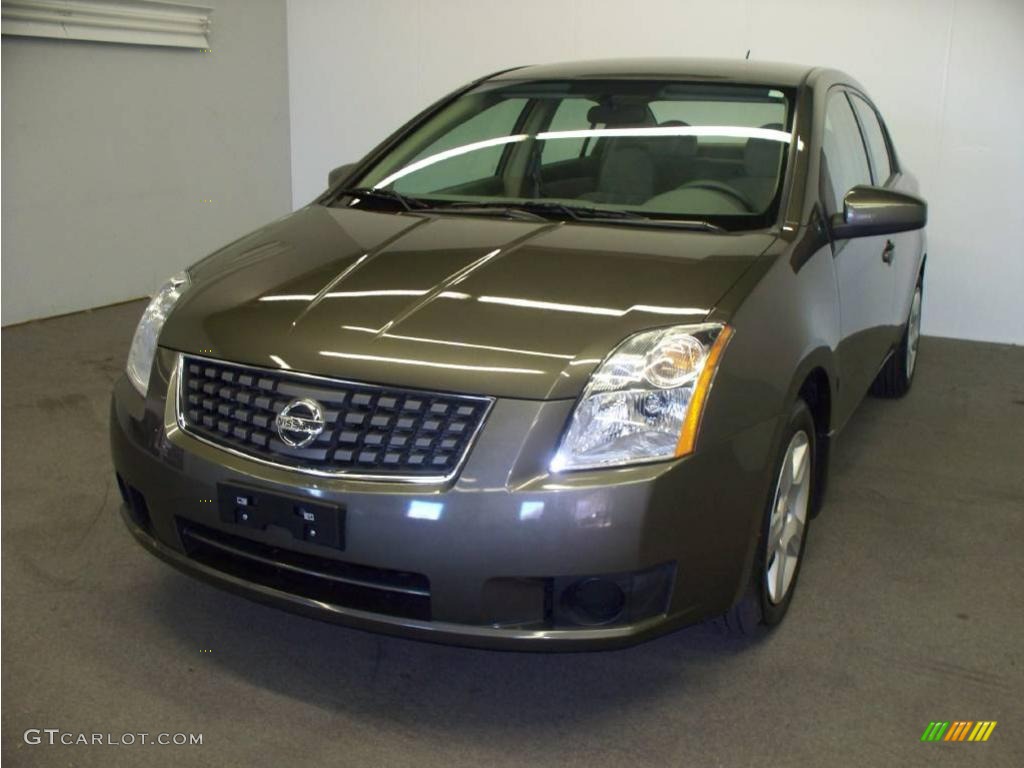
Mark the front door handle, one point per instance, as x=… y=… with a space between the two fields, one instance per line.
x=888 y=252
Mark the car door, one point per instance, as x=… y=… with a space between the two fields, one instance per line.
x=863 y=272
x=903 y=247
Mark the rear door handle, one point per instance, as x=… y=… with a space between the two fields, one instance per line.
x=888 y=252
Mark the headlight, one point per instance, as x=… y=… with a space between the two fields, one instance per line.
x=140 y=358
x=645 y=401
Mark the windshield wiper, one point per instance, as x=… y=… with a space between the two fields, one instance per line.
x=617 y=215
x=646 y=221
x=408 y=203
x=475 y=209
x=529 y=210
x=578 y=212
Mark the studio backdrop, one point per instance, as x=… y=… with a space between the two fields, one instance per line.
x=947 y=75
x=123 y=163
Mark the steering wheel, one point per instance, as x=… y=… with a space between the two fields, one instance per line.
x=722 y=188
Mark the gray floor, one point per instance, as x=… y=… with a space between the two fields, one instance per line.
x=909 y=610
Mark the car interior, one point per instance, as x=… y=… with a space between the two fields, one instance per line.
x=668 y=172
x=660 y=150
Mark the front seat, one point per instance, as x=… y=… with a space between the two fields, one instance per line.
x=761 y=158
x=674 y=157
x=627 y=174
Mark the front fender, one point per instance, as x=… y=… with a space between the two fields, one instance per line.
x=785 y=326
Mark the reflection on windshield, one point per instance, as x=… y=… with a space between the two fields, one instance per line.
x=724 y=131
x=711 y=154
x=447 y=155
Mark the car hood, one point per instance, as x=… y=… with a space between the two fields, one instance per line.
x=452 y=303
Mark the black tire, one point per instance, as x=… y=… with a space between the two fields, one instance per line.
x=755 y=612
x=896 y=376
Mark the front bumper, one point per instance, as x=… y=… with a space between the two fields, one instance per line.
x=499 y=547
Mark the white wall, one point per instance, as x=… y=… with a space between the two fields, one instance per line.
x=947 y=75
x=110 y=150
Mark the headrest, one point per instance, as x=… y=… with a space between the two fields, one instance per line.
x=677 y=146
x=761 y=156
x=620 y=113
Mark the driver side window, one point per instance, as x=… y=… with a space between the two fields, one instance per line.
x=845 y=158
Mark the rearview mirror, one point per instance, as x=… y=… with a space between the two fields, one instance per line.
x=339 y=173
x=871 y=211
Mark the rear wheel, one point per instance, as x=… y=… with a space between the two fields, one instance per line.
x=897 y=374
x=783 y=535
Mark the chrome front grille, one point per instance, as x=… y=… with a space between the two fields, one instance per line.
x=368 y=431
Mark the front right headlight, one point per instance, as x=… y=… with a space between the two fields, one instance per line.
x=143 y=350
x=645 y=401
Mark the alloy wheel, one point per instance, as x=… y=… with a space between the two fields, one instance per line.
x=913 y=332
x=789 y=517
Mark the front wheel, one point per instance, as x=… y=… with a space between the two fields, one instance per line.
x=783 y=533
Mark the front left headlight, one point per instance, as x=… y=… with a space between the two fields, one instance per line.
x=645 y=401
x=140 y=358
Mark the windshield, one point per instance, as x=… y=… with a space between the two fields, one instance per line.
x=647 y=149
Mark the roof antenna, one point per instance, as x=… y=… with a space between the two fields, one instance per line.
x=748 y=55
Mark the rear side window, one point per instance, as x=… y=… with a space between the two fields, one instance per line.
x=877 y=146
x=844 y=151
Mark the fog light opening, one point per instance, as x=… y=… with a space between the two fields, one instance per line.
x=136 y=503
x=123 y=488
x=594 y=601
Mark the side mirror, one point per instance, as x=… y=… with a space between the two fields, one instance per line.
x=339 y=173
x=871 y=211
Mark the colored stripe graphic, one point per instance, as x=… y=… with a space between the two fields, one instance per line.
x=983 y=730
x=958 y=730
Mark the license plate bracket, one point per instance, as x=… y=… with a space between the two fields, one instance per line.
x=310 y=521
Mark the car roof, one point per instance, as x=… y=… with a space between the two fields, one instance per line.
x=716 y=70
